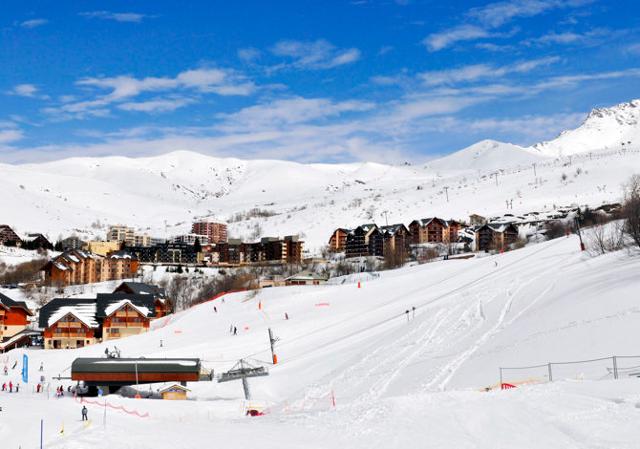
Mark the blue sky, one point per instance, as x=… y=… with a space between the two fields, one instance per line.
x=311 y=81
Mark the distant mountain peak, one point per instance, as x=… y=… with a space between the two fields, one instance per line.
x=603 y=128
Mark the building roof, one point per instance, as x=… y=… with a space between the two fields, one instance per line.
x=82 y=308
x=91 y=310
x=130 y=365
x=9 y=303
x=107 y=301
x=426 y=221
x=140 y=288
x=173 y=388
x=115 y=306
x=392 y=229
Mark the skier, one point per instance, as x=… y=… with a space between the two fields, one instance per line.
x=4 y=386
x=215 y=309
x=6 y=370
x=84 y=413
x=41 y=366
x=413 y=309
x=235 y=330
x=10 y=387
x=38 y=387
x=286 y=316
x=17 y=388
x=406 y=312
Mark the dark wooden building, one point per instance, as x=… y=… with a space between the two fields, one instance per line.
x=496 y=236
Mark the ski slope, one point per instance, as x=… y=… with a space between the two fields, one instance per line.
x=395 y=380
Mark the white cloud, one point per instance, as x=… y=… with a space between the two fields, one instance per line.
x=475 y=72
x=9 y=133
x=130 y=17
x=290 y=111
x=444 y=39
x=530 y=127
x=24 y=90
x=249 y=54
x=206 y=80
x=33 y=23
x=319 y=54
x=569 y=37
x=634 y=49
x=483 y=20
x=156 y=105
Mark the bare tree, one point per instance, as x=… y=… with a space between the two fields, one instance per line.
x=631 y=209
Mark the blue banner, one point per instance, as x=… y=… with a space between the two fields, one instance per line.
x=25 y=368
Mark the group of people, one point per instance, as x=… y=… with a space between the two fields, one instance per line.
x=411 y=314
x=9 y=387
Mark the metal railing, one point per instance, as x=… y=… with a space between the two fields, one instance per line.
x=612 y=367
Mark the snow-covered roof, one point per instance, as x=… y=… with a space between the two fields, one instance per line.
x=83 y=312
x=111 y=308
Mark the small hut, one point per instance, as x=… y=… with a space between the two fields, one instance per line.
x=174 y=392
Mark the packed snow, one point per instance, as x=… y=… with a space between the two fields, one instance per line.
x=359 y=368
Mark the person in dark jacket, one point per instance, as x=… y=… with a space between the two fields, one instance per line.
x=84 y=413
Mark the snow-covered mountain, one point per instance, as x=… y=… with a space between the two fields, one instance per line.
x=604 y=128
x=162 y=195
x=487 y=155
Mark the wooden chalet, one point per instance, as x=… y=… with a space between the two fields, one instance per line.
x=36 y=241
x=429 y=230
x=69 y=323
x=8 y=237
x=364 y=241
x=78 y=322
x=124 y=318
x=14 y=317
x=496 y=236
x=82 y=267
x=163 y=305
x=175 y=392
x=338 y=240
x=396 y=239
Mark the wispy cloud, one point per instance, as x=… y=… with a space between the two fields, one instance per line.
x=446 y=38
x=33 y=23
x=291 y=110
x=156 y=105
x=224 y=82
x=249 y=54
x=9 y=133
x=481 y=22
x=24 y=90
x=131 y=17
x=498 y=13
x=570 y=37
x=319 y=54
x=529 y=127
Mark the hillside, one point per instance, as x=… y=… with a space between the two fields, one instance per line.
x=162 y=195
x=604 y=128
x=389 y=375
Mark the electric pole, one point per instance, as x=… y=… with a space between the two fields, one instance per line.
x=534 y=170
x=446 y=192
x=272 y=342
